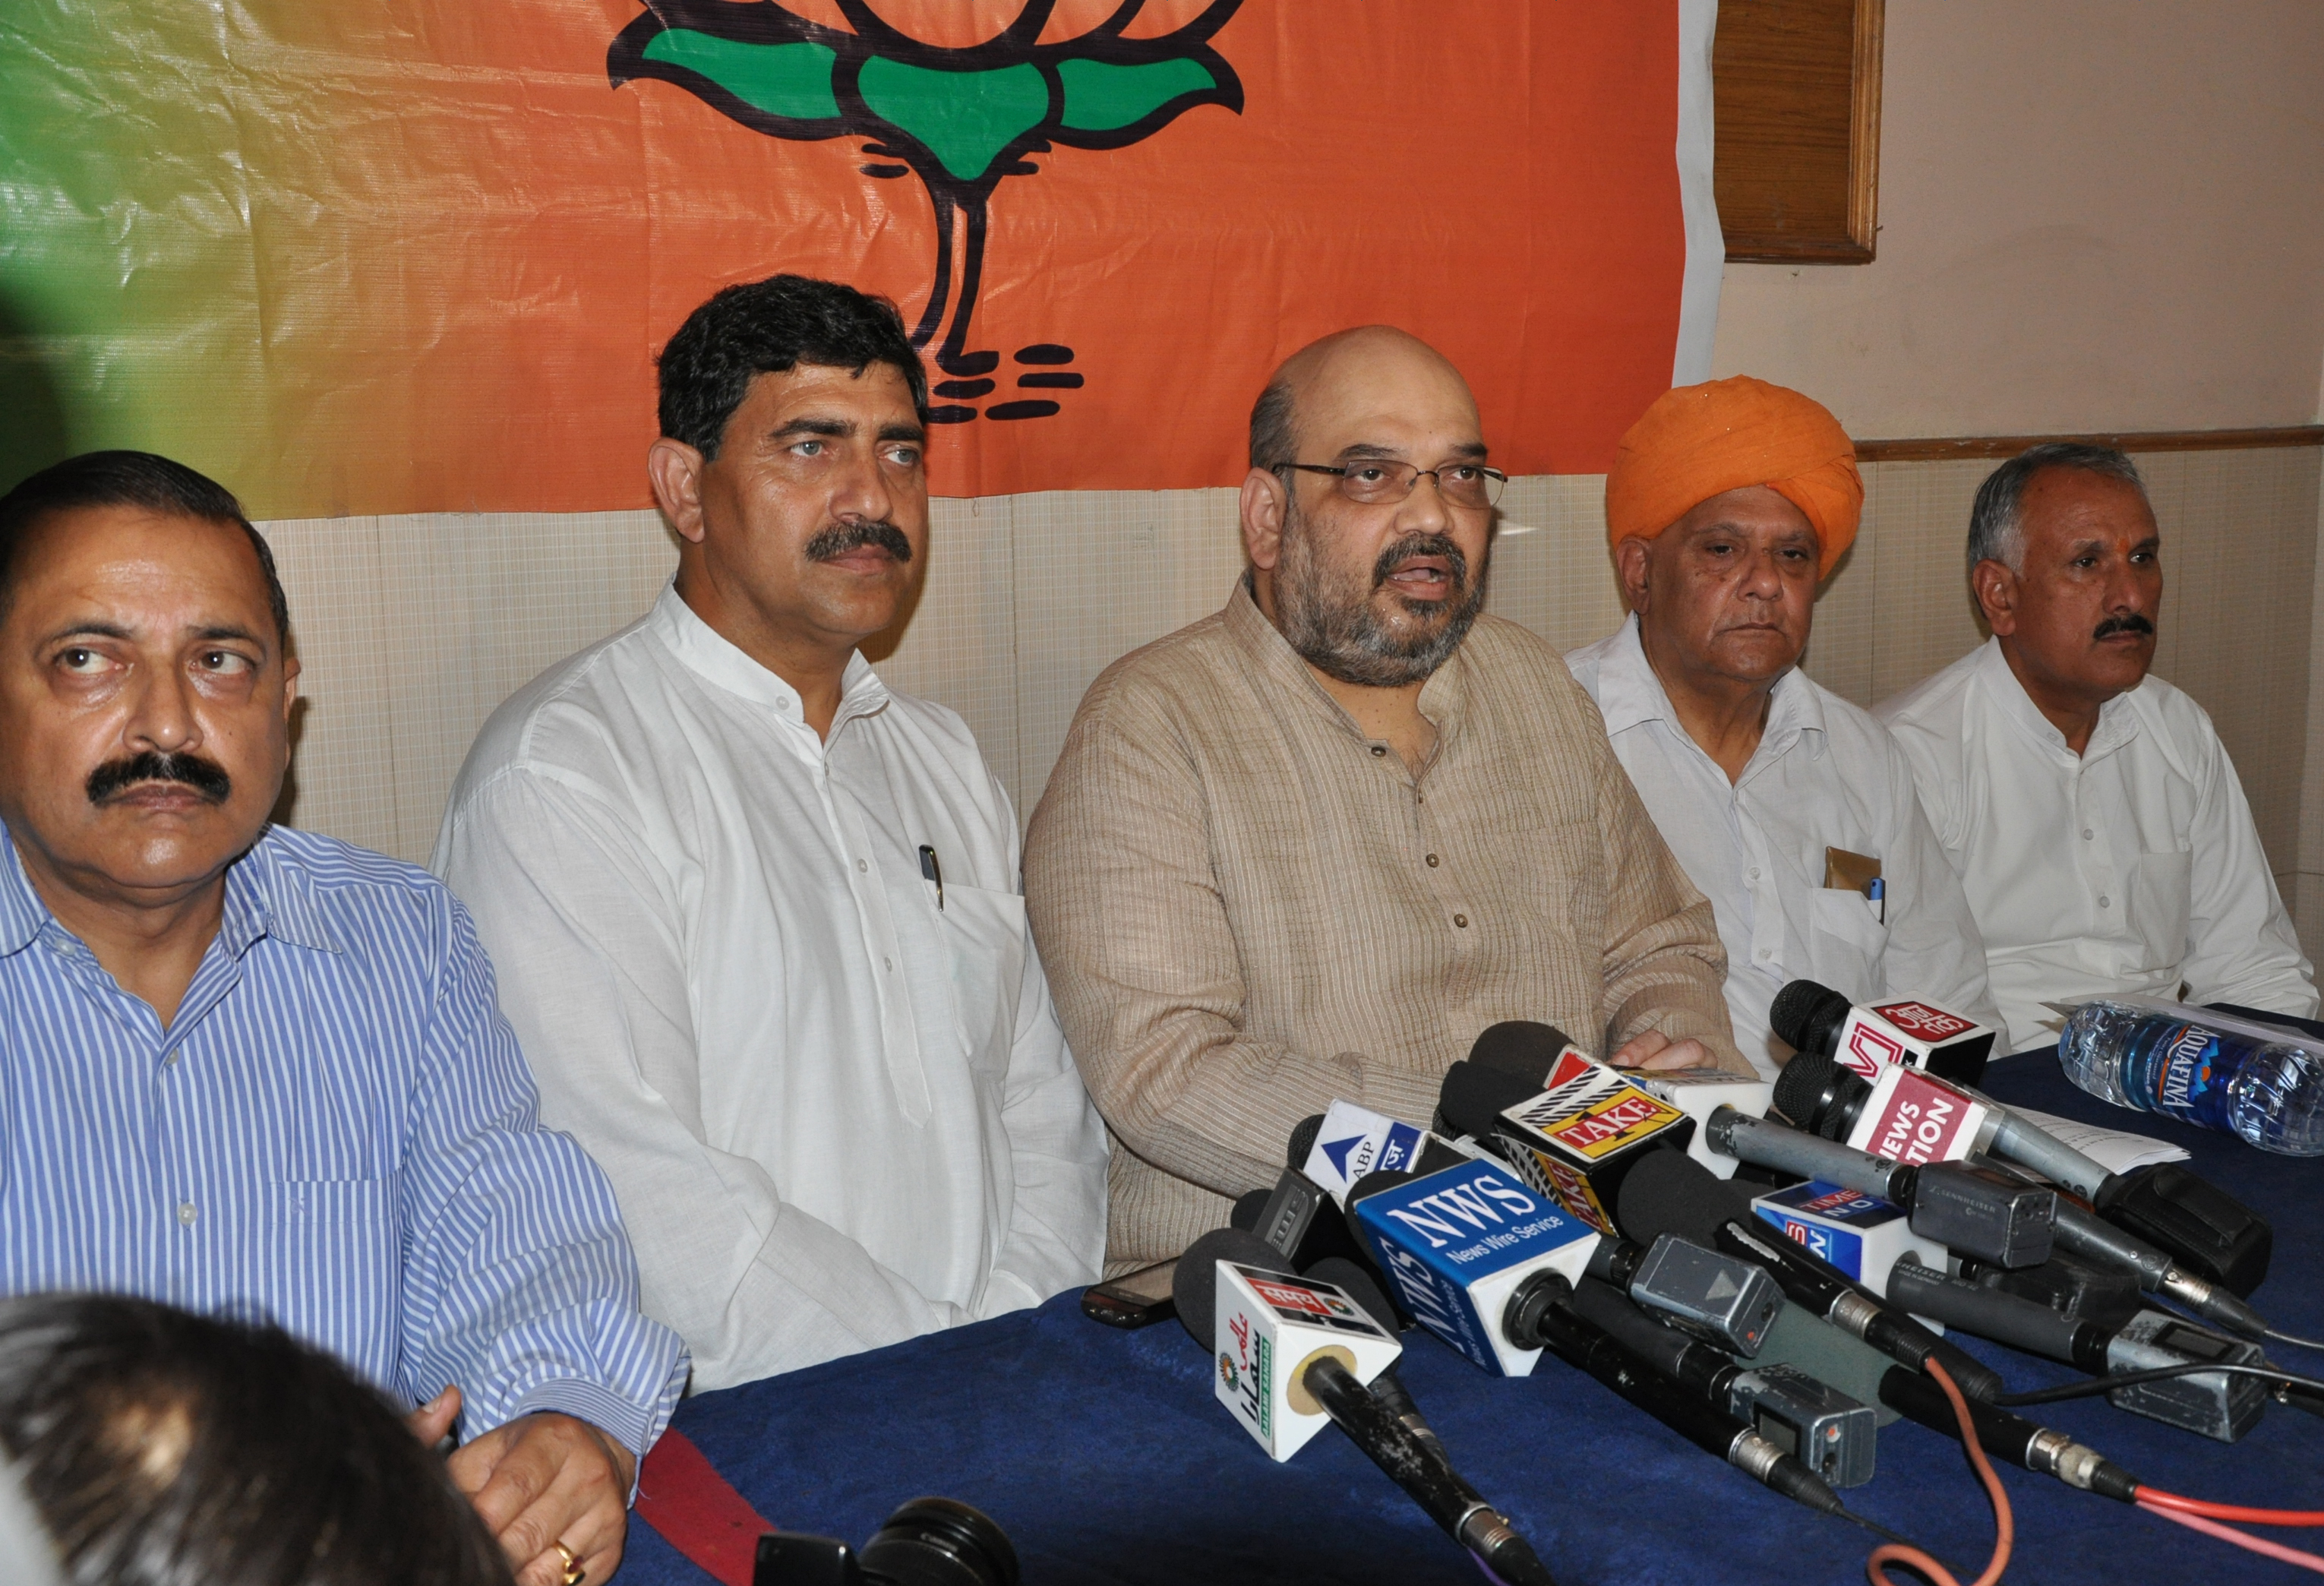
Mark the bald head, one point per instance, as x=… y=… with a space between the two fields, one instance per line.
x=1348 y=377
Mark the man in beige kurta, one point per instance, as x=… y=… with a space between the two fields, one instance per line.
x=1310 y=846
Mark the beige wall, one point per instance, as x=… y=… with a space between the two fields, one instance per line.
x=2096 y=215
x=414 y=629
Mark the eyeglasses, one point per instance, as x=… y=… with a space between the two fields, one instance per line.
x=1375 y=481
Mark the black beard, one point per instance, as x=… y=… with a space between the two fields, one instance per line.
x=1334 y=629
x=207 y=777
x=842 y=538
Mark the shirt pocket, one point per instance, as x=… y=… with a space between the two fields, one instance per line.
x=2160 y=891
x=1846 y=941
x=334 y=1260
x=985 y=933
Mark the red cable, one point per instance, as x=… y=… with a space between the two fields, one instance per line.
x=2226 y=1511
x=2244 y=1539
x=2004 y=1525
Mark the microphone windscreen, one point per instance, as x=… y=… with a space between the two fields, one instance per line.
x=1248 y=1209
x=1833 y=1358
x=1522 y=1046
x=1669 y=1191
x=1800 y=1086
x=1372 y=1183
x=1194 y=1284
x=1357 y=1285
x=1303 y=1140
x=1473 y=1097
x=1801 y=1005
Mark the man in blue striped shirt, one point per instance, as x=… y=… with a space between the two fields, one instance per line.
x=251 y=1069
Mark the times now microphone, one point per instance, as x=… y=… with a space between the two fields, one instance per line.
x=1815 y=1019
x=1293 y=1352
x=2220 y=1241
x=1462 y=1245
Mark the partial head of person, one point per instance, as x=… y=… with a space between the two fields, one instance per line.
x=794 y=426
x=145 y=680
x=2067 y=564
x=157 y=1447
x=1368 y=512
x=1728 y=503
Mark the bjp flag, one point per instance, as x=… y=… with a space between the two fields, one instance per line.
x=403 y=256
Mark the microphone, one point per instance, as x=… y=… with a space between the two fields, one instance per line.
x=1816 y=1020
x=1672 y=1194
x=2220 y=1240
x=1977 y=1210
x=1716 y=1298
x=1352 y=1141
x=1573 y=1135
x=1225 y=1289
x=1460 y=1245
x=1525 y=1049
x=2009 y=1437
x=1588 y=1348
x=1248 y=1210
x=1831 y=1433
x=2213 y=1403
x=1387 y=1388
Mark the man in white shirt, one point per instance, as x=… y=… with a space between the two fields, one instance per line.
x=1787 y=806
x=2089 y=808
x=757 y=918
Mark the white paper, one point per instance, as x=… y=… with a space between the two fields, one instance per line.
x=2111 y=1148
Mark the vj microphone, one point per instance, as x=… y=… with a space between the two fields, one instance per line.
x=1815 y=1019
x=2008 y=1437
x=1324 y=1379
x=1975 y=1211
x=2212 y=1402
x=1896 y=1111
x=1673 y=1194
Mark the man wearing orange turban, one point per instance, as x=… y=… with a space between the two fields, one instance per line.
x=1789 y=807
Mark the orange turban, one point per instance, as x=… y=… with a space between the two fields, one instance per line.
x=1700 y=440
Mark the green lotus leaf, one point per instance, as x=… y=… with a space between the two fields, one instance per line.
x=792 y=80
x=1101 y=97
x=965 y=118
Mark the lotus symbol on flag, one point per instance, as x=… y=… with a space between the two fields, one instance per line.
x=961 y=111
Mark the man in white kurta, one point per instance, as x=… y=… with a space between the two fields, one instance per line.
x=2094 y=816
x=1726 y=505
x=1825 y=775
x=760 y=930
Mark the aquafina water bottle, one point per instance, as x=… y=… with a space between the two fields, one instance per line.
x=2272 y=1093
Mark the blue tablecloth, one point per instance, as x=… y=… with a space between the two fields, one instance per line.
x=1105 y=1457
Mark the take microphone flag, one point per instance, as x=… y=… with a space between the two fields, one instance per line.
x=1590 y=1125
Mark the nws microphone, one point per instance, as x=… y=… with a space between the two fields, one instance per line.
x=1816 y=1020
x=2211 y=1402
x=1673 y=1194
x=2220 y=1240
x=1225 y=1281
x=1977 y=1210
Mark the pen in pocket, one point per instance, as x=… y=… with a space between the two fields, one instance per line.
x=933 y=871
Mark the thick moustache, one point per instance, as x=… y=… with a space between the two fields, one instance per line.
x=117 y=779
x=845 y=539
x=2130 y=622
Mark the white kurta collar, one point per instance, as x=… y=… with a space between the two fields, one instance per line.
x=711 y=656
x=1629 y=694
x=2117 y=717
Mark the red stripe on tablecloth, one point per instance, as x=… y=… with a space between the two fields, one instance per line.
x=681 y=1495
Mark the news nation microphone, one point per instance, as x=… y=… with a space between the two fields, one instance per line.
x=1575 y=1138
x=1816 y=1019
x=1293 y=1352
x=1672 y=1194
x=1462 y=1247
x=2221 y=1241
x=2211 y=1402
x=1978 y=1210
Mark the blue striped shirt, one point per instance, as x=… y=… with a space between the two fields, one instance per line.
x=337 y=1131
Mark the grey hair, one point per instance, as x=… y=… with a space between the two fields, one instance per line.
x=1997 y=529
x=1272 y=444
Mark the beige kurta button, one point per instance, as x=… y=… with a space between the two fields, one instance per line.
x=1461 y=920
